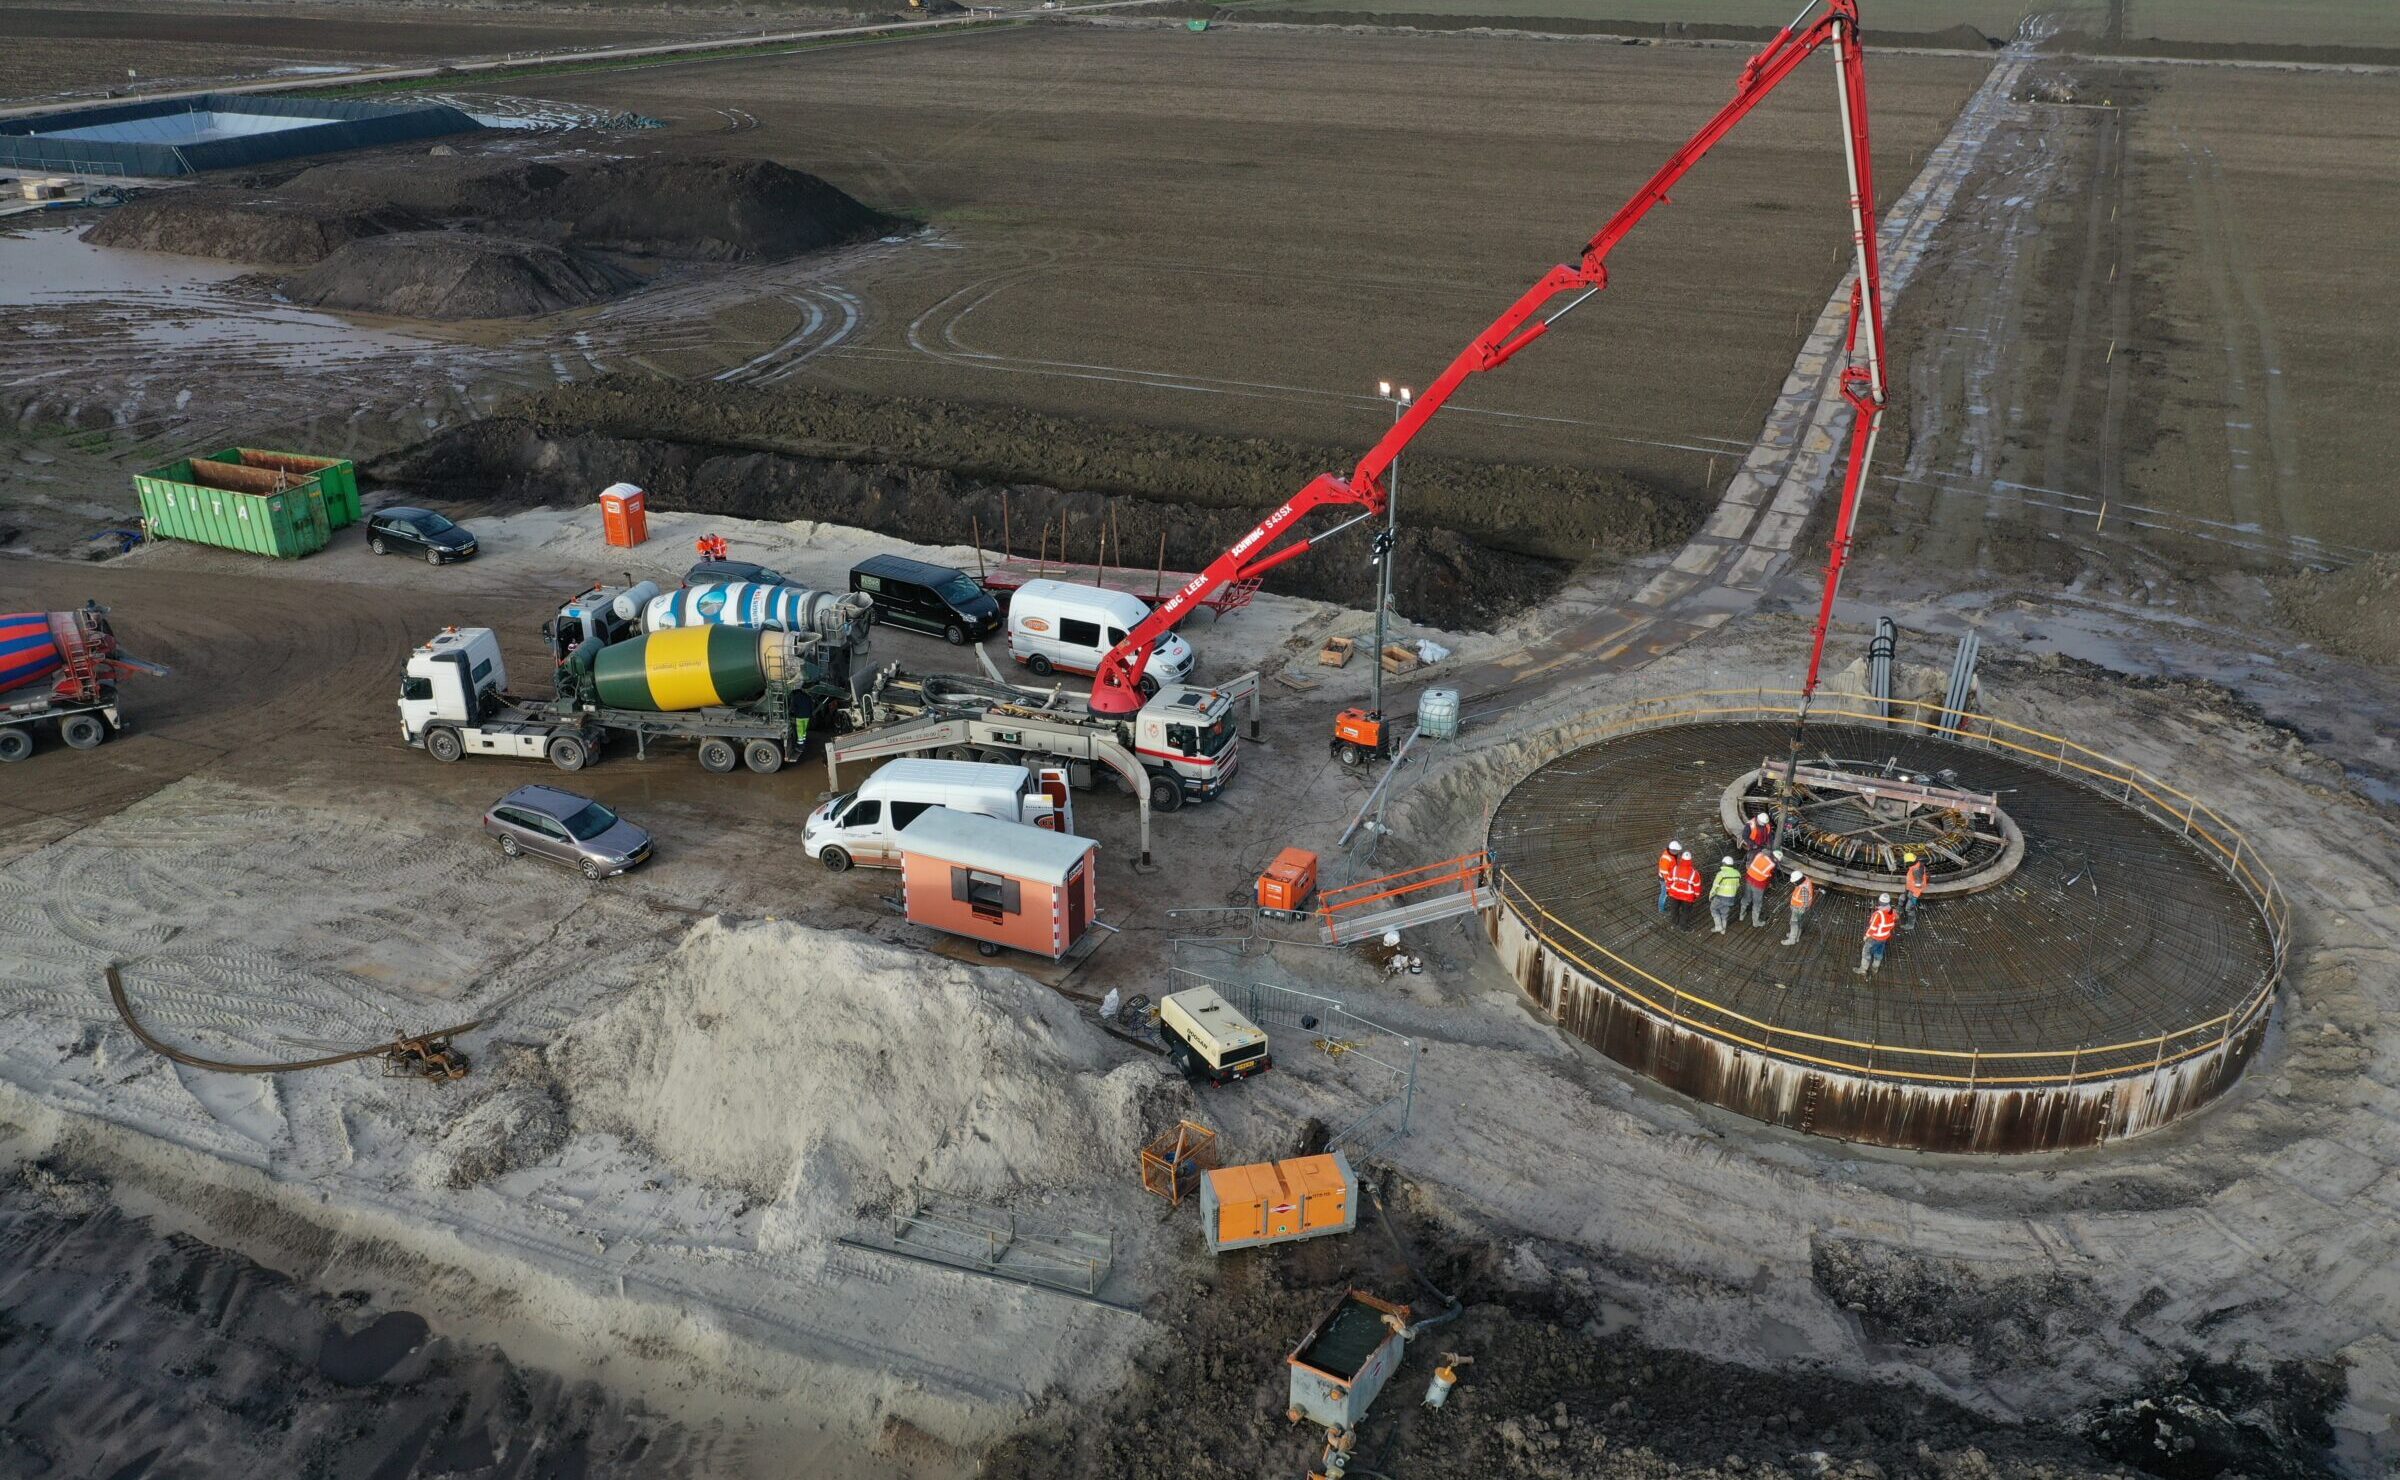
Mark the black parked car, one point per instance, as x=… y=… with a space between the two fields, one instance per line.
x=928 y=598
x=418 y=531
x=713 y=572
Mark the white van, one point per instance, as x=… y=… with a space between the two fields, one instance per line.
x=863 y=826
x=1054 y=626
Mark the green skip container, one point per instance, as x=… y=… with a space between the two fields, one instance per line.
x=338 y=476
x=234 y=508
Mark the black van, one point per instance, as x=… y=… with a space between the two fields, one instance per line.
x=927 y=598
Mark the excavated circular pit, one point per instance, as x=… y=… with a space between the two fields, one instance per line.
x=2117 y=976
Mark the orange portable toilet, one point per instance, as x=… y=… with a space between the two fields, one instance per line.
x=1273 y=1202
x=625 y=514
x=999 y=883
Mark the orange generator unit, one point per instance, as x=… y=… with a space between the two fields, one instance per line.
x=1285 y=888
x=1275 y=1202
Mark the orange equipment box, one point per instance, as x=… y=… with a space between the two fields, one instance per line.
x=625 y=514
x=1288 y=882
x=1273 y=1202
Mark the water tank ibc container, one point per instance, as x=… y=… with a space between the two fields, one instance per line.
x=29 y=650
x=1437 y=714
x=741 y=604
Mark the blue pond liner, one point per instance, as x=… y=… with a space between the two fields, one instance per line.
x=214 y=131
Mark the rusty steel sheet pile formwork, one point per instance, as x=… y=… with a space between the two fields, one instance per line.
x=2121 y=976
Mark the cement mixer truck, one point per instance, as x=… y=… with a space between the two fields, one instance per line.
x=59 y=671
x=740 y=695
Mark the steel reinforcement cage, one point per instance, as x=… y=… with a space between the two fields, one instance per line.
x=1966 y=1068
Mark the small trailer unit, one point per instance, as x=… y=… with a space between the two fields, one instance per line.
x=999 y=883
x=1275 y=1202
x=1345 y=1360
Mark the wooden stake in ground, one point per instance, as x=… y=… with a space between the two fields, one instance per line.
x=975 y=523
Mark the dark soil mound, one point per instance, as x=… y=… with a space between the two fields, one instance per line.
x=1550 y=512
x=1479 y=541
x=710 y=210
x=1446 y=578
x=454 y=275
x=236 y=226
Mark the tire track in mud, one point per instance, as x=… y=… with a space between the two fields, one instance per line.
x=2263 y=478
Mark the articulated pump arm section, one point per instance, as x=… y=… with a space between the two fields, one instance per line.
x=1114 y=688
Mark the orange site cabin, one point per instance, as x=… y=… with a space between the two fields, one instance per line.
x=1272 y=1202
x=1001 y=883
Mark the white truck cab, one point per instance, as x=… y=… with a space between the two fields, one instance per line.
x=1188 y=732
x=863 y=826
x=1054 y=626
x=451 y=680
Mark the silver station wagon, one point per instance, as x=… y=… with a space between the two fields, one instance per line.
x=574 y=830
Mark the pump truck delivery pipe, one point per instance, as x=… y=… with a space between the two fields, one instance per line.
x=1114 y=688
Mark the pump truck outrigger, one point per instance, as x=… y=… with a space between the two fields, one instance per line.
x=1114 y=686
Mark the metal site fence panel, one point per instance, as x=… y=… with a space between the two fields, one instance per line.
x=1375 y=1064
x=2163 y=803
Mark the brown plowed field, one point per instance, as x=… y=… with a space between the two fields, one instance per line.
x=2168 y=335
x=53 y=49
x=1243 y=231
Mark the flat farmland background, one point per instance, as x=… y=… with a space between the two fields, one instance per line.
x=2289 y=22
x=1272 y=220
x=1992 y=17
x=2267 y=202
x=49 y=49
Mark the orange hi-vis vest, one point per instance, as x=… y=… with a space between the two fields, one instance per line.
x=1666 y=865
x=1804 y=894
x=1882 y=923
x=1684 y=882
x=1918 y=878
x=1761 y=871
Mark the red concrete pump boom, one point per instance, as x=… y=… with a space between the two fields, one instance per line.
x=1114 y=687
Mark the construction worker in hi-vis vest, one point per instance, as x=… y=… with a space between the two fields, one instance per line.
x=1916 y=879
x=1721 y=892
x=1804 y=899
x=1880 y=926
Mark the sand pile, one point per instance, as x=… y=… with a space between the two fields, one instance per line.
x=2354 y=612
x=831 y=1072
x=455 y=275
x=238 y=226
x=708 y=210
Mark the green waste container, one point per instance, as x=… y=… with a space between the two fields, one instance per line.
x=186 y=501
x=337 y=475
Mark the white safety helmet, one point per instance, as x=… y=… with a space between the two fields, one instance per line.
x=1797 y=876
x=1674 y=847
x=1728 y=860
x=1779 y=855
x=1760 y=820
x=1883 y=899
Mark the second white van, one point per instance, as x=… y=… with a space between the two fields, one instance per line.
x=863 y=826
x=1057 y=627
